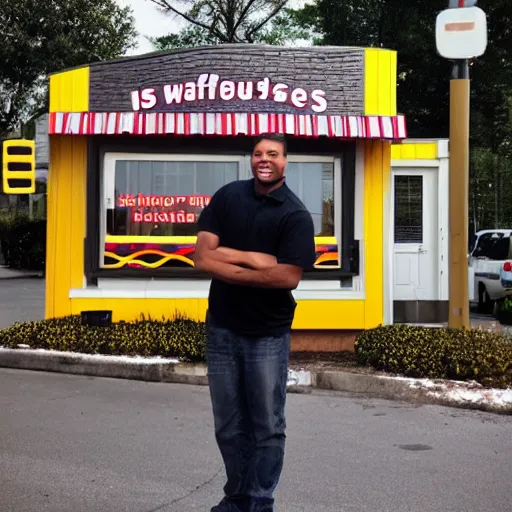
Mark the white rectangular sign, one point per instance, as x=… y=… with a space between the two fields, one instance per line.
x=461 y=33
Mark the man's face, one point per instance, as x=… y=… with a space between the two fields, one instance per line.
x=268 y=162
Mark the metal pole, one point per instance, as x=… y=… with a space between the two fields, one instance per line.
x=458 y=316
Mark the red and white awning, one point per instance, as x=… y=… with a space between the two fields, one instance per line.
x=142 y=123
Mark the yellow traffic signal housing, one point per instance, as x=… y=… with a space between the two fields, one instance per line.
x=19 y=166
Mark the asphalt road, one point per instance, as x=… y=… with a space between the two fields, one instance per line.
x=21 y=300
x=77 y=444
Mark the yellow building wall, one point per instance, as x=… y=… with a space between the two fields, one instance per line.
x=67 y=229
x=414 y=151
x=65 y=221
x=69 y=91
x=380 y=68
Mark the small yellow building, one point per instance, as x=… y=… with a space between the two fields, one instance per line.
x=139 y=145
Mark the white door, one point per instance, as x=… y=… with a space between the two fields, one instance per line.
x=415 y=231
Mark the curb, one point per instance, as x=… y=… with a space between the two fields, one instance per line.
x=396 y=388
x=172 y=371
x=386 y=388
x=90 y=365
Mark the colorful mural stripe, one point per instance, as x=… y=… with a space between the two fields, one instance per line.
x=174 y=252
x=141 y=123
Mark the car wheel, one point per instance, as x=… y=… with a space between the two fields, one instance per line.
x=485 y=305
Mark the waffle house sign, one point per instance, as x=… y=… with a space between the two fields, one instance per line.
x=210 y=87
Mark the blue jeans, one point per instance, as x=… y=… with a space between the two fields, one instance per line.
x=247 y=378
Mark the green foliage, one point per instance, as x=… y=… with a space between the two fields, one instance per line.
x=422 y=75
x=506 y=305
x=458 y=354
x=503 y=311
x=178 y=337
x=23 y=242
x=39 y=38
x=423 y=83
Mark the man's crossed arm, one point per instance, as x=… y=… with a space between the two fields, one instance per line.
x=243 y=267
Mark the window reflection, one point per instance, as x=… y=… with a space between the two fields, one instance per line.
x=164 y=198
x=313 y=183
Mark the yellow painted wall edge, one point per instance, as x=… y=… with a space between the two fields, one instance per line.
x=69 y=91
x=380 y=79
x=65 y=222
x=415 y=150
x=66 y=232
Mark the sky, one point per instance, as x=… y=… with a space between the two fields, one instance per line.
x=149 y=21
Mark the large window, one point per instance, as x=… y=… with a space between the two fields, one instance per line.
x=152 y=204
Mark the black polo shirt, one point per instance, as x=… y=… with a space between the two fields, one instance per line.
x=277 y=224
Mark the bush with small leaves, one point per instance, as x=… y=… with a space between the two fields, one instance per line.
x=23 y=242
x=457 y=354
x=178 y=337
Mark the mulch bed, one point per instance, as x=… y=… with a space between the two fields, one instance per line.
x=346 y=358
x=340 y=361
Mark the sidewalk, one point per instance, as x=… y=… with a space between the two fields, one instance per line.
x=304 y=378
x=9 y=273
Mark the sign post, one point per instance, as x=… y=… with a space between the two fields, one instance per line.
x=461 y=34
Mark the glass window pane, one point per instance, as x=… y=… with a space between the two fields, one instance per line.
x=313 y=183
x=408 y=209
x=160 y=199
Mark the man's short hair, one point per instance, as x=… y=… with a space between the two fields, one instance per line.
x=276 y=137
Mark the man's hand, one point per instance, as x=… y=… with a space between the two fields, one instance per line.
x=208 y=250
x=225 y=264
x=249 y=259
x=260 y=260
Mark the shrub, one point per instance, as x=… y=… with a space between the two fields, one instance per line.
x=23 y=242
x=459 y=354
x=179 y=337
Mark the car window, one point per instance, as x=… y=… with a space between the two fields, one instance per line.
x=485 y=244
x=500 y=250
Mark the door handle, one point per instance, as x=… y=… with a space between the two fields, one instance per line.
x=421 y=250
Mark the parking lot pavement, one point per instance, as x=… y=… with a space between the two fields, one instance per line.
x=85 y=444
x=21 y=300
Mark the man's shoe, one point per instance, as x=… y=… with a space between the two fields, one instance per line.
x=230 y=505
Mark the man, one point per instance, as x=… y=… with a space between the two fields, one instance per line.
x=255 y=239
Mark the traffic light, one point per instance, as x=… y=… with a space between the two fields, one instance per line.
x=19 y=167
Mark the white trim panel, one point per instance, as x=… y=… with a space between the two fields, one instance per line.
x=99 y=293
x=415 y=163
x=388 y=245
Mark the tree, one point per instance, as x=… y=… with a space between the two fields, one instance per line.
x=410 y=29
x=423 y=82
x=230 y=21
x=43 y=37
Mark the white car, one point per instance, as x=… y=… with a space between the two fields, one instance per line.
x=491 y=261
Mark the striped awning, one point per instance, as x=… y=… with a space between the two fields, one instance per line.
x=143 y=123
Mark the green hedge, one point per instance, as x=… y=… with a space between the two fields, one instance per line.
x=458 y=354
x=477 y=355
x=23 y=242
x=179 y=337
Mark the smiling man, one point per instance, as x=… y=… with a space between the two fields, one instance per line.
x=255 y=239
